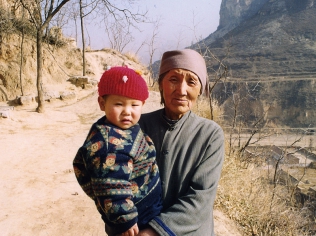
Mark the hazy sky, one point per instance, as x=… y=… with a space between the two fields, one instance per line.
x=181 y=22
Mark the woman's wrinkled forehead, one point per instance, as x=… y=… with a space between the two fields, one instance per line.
x=182 y=72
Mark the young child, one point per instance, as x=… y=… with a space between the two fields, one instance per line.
x=116 y=166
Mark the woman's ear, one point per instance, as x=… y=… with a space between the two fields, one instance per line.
x=101 y=103
x=160 y=87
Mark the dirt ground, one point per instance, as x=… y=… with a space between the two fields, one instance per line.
x=39 y=194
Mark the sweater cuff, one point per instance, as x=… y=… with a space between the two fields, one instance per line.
x=114 y=229
x=160 y=227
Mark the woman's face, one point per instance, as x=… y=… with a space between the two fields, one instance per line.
x=180 y=90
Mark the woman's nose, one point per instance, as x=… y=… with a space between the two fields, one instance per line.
x=182 y=88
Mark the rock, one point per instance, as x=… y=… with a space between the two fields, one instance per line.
x=88 y=86
x=48 y=95
x=312 y=165
x=5 y=114
x=79 y=81
x=233 y=12
x=89 y=72
x=25 y=100
x=68 y=96
x=84 y=82
x=93 y=82
x=5 y=111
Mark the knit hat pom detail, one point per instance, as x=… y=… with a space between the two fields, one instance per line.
x=124 y=78
x=123 y=81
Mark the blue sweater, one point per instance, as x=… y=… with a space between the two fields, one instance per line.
x=117 y=169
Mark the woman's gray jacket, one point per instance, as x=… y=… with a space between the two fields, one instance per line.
x=190 y=156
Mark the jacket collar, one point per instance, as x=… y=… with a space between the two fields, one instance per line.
x=174 y=124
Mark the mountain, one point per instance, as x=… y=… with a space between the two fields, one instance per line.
x=269 y=48
x=262 y=38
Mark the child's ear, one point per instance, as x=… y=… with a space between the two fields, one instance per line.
x=101 y=103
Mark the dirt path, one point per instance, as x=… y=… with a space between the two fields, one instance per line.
x=39 y=194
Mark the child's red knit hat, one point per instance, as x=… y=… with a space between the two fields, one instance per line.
x=123 y=81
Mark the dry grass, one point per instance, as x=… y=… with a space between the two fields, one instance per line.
x=247 y=196
x=132 y=57
x=202 y=108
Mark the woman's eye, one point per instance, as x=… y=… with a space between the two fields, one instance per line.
x=192 y=81
x=173 y=79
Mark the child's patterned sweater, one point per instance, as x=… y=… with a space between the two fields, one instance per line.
x=117 y=169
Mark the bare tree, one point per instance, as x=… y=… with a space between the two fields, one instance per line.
x=256 y=128
x=86 y=8
x=22 y=53
x=119 y=34
x=277 y=165
x=41 y=13
x=54 y=31
x=152 y=49
x=118 y=22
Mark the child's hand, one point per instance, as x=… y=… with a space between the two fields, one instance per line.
x=133 y=231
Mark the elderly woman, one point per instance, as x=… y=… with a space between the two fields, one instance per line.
x=190 y=149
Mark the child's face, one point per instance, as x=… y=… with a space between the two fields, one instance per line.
x=121 y=111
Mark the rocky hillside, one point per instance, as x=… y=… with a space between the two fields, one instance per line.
x=18 y=74
x=262 y=38
x=269 y=45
